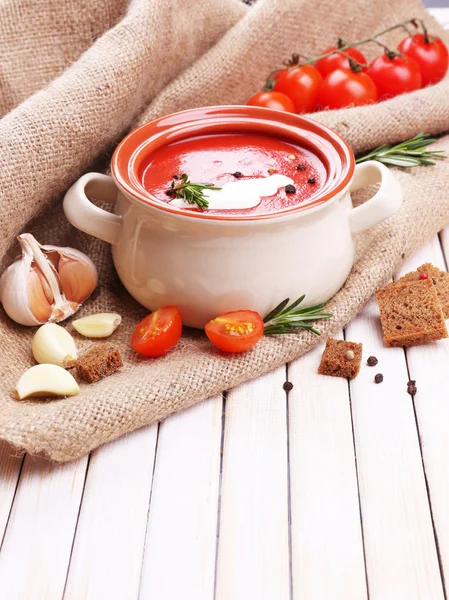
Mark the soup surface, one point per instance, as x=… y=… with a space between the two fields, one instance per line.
x=225 y=158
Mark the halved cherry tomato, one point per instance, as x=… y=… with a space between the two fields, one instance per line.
x=343 y=88
x=235 y=331
x=432 y=56
x=339 y=60
x=157 y=333
x=276 y=100
x=301 y=85
x=395 y=75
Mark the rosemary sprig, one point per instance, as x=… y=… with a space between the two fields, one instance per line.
x=190 y=192
x=410 y=153
x=285 y=318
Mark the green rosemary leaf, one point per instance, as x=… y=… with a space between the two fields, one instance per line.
x=279 y=308
x=285 y=318
x=410 y=153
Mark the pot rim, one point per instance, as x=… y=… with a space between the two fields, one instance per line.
x=331 y=149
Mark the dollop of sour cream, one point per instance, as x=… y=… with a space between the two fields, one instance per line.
x=246 y=193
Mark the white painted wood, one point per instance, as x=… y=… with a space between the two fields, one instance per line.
x=401 y=557
x=253 y=555
x=107 y=555
x=428 y=365
x=9 y=475
x=327 y=549
x=180 y=549
x=38 y=540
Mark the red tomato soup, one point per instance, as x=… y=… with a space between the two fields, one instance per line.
x=215 y=159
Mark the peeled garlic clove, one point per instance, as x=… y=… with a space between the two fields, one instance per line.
x=99 y=325
x=52 y=344
x=46 y=380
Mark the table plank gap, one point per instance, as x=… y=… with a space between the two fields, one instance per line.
x=44 y=514
x=289 y=487
x=182 y=524
x=326 y=526
x=107 y=553
x=10 y=472
x=401 y=556
x=220 y=483
x=253 y=552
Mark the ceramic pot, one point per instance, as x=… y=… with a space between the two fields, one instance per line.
x=208 y=263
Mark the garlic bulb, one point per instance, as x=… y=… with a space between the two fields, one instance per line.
x=47 y=283
x=98 y=325
x=44 y=381
x=52 y=344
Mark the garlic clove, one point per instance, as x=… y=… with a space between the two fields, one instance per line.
x=46 y=380
x=99 y=325
x=16 y=297
x=38 y=299
x=77 y=273
x=52 y=344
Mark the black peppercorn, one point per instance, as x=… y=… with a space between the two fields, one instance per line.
x=288 y=386
x=379 y=378
x=170 y=192
x=237 y=174
x=372 y=361
x=300 y=167
x=290 y=189
x=311 y=180
x=411 y=387
x=176 y=176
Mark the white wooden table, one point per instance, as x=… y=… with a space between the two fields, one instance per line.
x=332 y=492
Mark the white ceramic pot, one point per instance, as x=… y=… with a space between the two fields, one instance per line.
x=209 y=265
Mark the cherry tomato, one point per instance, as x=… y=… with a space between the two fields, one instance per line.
x=432 y=56
x=394 y=76
x=302 y=85
x=276 y=100
x=157 y=333
x=343 y=88
x=339 y=60
x=235 y=331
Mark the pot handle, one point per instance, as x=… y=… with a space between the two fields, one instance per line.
x=87 y=217
x=384 y=204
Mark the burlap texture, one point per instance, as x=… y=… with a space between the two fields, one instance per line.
x=134 y=61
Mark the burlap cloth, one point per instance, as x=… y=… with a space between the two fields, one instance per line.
x=76 y=75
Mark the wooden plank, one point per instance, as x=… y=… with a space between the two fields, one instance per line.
x=428 y=365
x=180 y=549
x=253 y=553
x=38 y=540
x=107 y=554
x=10 y=466
x=401 y=557
x=327 y=548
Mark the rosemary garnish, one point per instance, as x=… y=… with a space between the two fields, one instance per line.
x=410 y=153
x=284 y=318
x=190 y=192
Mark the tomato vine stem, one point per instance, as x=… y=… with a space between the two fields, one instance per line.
x=270 y=82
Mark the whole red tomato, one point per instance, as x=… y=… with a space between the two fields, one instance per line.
x=394 y=75
x=343 y=87
x=430 y=53
x=302 y=85
x=276 y=100
x=339 y=61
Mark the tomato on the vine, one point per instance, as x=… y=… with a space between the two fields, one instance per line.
x=276 y=100
x=301 y=84
x=343 y=88
x=338 y=60
x=157 y=333
x=394 y=75
x=430 y=53
x=235 y=331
